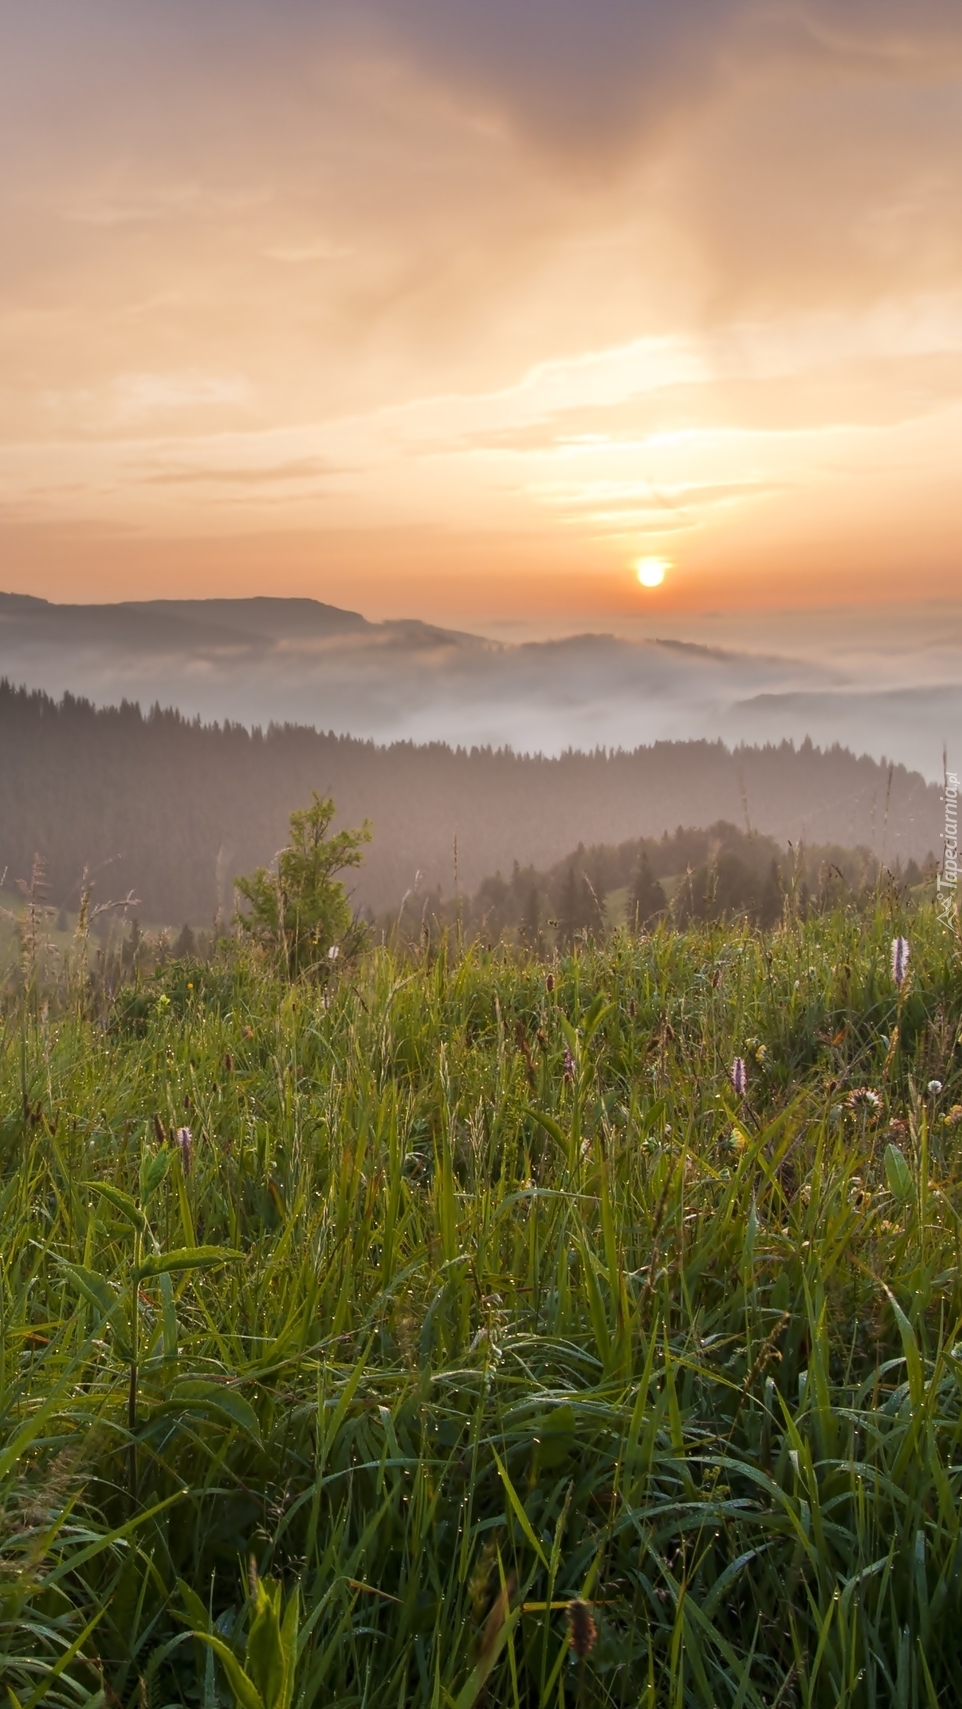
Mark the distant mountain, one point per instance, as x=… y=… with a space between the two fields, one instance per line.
x=193 y=627
x=258 y=661
x=173 y=809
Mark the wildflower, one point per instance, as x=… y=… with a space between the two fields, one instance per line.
x=185 y=1140
x=569 y=1069
x=737 y=1139
x=864 y=1099
x=549 y=983
x=333 y=952
x=900 y=959
x=933 y=1088
x=761 y=1053
x=953 y=1116
x=739 y=1077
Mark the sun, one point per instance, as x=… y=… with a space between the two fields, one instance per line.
x=651 y=571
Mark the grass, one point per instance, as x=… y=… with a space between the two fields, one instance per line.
x=470 y=1298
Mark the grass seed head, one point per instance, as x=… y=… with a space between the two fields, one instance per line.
x=583 y=1633
x=500 y=1610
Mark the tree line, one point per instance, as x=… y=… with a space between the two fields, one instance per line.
x=714 y=874
x=172 y=809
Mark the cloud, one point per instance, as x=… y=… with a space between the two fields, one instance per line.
x=298 y=469
x=559 y=273
x=295 y=255
x=140 y=396
x=585 y=75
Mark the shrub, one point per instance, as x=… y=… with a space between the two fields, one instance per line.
x=300 y=912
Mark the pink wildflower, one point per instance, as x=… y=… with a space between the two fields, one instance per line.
x=900 y=959
x=185 y=1140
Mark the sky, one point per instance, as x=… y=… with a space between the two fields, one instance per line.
x=463 y=311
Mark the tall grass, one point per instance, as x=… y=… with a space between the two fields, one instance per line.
x=530 y=1308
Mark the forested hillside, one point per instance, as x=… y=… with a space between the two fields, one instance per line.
x=714 y=874
x=173 y=809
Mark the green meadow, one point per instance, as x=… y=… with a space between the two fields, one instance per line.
x=449 y=1330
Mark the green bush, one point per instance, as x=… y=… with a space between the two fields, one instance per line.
x=300 y=913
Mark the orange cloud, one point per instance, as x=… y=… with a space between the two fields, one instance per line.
x=455 y=310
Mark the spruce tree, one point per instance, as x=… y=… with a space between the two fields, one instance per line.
x=647 y=899
x=531 y=933
x=578 y=909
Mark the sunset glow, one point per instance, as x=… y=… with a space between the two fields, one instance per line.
x=651 y=571
x=440 y=309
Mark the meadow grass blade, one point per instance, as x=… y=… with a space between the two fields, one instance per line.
x=583 y=1325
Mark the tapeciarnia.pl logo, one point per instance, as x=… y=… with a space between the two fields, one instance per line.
x=947 y=881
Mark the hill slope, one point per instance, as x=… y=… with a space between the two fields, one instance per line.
x=172 y=808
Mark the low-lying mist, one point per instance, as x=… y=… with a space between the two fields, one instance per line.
x=173 y=809
x=258 y=661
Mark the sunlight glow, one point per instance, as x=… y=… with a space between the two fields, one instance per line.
x=651 y=571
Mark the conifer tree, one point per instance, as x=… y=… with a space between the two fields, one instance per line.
x=578 y=909
x=531 y=933
x=647 y=898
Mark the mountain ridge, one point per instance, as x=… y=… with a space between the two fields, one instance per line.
x=268 y=659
